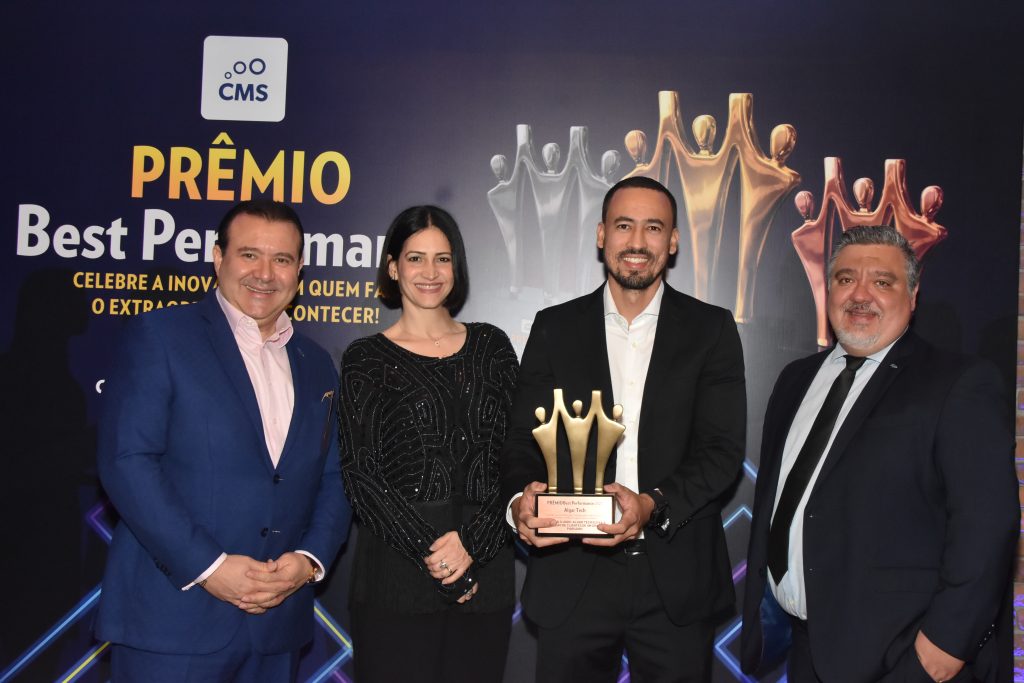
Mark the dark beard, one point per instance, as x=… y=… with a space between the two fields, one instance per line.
x=635 y=280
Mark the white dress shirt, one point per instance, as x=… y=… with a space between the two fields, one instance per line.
x=629 y=357
x=791 y=593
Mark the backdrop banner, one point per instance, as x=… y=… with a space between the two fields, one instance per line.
x=132 y=128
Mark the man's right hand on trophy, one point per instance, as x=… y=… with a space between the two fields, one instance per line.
x=527 y=523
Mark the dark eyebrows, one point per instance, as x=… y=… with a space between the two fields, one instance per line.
x=242 y=249
x=874 y=273
x=628 y=219
x=423 y=253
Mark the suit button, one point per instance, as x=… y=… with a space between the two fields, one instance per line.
x=264 y=531
x=277 y=478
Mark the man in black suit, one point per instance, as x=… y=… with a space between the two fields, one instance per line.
x=888 y=544
x=655 y=586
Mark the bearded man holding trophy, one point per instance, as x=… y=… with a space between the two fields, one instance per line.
x=644 y=567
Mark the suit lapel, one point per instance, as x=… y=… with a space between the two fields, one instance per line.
x=222 y=339
x=796 y=389
x=666 y=344
x=890 y=368
x=300 y=383
x=596 y=352
x=593 y=356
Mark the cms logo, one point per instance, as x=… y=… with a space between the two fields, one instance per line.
x=234 y=90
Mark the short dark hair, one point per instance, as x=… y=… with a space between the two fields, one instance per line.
x=644 y=183
x=878 y=234
x=266 y=209
x=406 y=224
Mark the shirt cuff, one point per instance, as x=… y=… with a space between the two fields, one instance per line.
x=209 y=572
x=508 y=511
x=320 y=571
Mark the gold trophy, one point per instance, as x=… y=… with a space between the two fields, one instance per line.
x=577 y=514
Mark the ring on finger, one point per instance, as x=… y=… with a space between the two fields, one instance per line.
x=443 y=565
x=450 y=571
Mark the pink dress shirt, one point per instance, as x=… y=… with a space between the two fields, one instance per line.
x=271 y=375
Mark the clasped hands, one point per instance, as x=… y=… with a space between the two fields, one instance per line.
x=254 y=586
x=448 y=561
x=635 y=511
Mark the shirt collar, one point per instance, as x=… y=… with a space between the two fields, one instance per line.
x=243 y=326
x=653 y=308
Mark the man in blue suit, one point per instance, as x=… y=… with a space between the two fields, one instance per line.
x=217 y=449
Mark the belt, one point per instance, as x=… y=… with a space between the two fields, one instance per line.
x=637 y=546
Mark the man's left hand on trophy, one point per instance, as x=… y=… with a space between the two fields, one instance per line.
x=527 y=522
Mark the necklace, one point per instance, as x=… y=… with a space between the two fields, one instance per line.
x=436 y=340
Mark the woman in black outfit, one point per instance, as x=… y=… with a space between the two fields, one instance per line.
x=423 y=412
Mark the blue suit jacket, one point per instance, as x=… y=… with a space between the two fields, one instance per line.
x=183 y=457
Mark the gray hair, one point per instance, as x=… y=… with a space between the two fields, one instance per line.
x=878 y=234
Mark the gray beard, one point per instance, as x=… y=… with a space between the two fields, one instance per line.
x=852 y=340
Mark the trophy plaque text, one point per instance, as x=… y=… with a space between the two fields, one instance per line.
x=577 y=514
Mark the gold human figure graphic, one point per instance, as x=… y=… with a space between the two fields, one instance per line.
x=705 y=176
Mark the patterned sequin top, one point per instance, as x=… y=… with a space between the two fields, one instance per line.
x=420 y=442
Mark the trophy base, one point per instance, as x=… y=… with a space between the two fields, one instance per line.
x=577 y=514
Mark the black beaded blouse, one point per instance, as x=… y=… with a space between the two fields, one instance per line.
x=420 y=443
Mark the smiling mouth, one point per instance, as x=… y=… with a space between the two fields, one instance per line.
x=862 y=314
x=258 y=290
x=428 y=287
x=635 y=258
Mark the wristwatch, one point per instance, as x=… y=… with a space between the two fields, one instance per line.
x=313 y=569
x=660 y=520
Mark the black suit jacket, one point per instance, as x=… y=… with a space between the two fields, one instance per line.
x=691 y=444
x=911 y=523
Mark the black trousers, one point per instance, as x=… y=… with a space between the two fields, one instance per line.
x=443 y=647
x=621 y=610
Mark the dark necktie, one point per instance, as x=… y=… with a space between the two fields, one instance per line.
x=803 y=468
